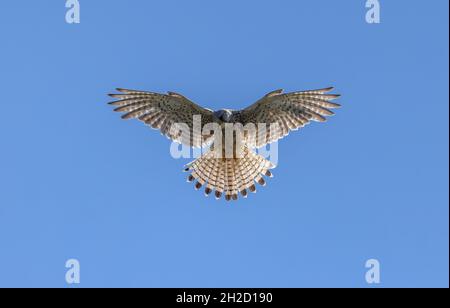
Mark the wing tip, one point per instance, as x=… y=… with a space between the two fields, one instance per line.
x=274 y=93
x=126 y=116
x=127 y=91
x=175 y=94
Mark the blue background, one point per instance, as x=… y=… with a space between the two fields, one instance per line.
x=78 y=182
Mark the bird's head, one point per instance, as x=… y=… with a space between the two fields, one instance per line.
x=225 y=115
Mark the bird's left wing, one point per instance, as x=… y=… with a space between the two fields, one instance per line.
x=287 y=111
x=165 y=112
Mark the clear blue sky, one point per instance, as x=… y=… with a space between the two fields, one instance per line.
x=78 y=182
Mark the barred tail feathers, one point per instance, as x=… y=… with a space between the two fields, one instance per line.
x=229 y=177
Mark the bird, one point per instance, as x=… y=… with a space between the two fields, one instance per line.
x=239 y=172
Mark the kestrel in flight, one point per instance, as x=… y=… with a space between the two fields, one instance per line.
x=228 y=175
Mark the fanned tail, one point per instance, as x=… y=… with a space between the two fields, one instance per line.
x=229 y=176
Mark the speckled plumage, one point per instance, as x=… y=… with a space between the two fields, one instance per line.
x=228 y=176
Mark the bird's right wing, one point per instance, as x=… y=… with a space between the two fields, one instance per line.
x=165 y=112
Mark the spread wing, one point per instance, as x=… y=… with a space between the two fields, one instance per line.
x=164 y=112
x=288 y=112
